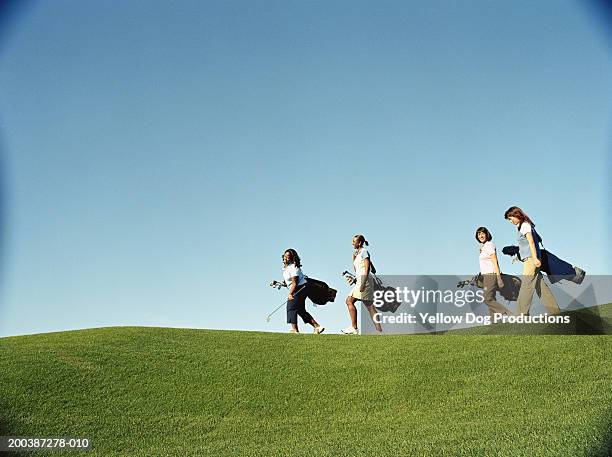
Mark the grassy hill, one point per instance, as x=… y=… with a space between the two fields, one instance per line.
x=596 y=320
x=158 y=392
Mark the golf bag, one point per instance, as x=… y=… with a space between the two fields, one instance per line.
x=558 y=269
x=555 y=268
x=510 y=291
x=319 y=292
x=388 y=306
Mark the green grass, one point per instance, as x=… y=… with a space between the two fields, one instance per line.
x=158 y=392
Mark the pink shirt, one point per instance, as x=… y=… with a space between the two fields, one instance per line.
x=486 y=263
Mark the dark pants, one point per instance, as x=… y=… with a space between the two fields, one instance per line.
x=297 y=307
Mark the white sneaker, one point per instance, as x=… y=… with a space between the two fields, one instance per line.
x=318 y=330
x=350 y=331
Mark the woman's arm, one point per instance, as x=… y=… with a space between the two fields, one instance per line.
x=500 y=282
x=532 y=247
x=367 y=264
x=495 y=264
x=292 y=287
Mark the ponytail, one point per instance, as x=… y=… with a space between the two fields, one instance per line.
x=362 y=240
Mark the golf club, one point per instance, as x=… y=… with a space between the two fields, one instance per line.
x=349 y=277
x=277 y=285
x=282 y=304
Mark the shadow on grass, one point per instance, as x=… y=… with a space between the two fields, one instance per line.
x=6 y=430
x=604 y=447
x=595 y=320
x=590 y=321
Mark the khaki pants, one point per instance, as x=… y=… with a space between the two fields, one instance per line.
x=532 y=281
x=489 y=284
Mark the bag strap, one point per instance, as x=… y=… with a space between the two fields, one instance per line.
x=536 y=236
x=539 y=238
x=372 y=267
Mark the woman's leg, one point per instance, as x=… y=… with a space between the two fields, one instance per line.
x=307 y=317
x=528 y=283
x=546 y=296
x=373 y=313
x=489 y=282
x=301 y=309
x=292 y=315
x=350 y=304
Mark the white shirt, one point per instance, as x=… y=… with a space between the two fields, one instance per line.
x=359 y=262
x=525 y=228
x=291 y=271
x=486 y=262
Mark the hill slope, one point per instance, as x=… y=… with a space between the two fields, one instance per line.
x=156 y=391
x=596 y=320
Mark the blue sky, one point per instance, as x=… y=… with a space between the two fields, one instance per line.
x=159 y=157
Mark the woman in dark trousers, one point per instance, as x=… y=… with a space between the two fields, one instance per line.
x=529 y=250
x=298 y=291
x=489 y=269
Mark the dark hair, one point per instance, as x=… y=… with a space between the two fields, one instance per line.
x=484 y=230
x=294 y=258
x=515 y=211
x=362 y=239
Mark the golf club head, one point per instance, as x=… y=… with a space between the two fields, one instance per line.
x=277 y=285
x=349 y=277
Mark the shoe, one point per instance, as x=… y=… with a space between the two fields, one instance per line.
x=318 y=330
x=580 y=274
x=350 y=331
x=293 y=331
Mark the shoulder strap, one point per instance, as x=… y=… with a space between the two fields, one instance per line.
x=537 y=237
x=372 y=267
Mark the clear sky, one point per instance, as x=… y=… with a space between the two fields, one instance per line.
x=158 y=157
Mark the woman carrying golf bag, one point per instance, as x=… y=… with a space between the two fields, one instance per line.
x=364 y=286
x=298 y=291
x=529 y=249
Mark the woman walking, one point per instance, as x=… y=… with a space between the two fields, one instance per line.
x=529 y=251
x=491 y=274
x=364 y=286
x=298 y=291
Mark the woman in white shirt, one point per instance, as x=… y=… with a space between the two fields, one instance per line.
x=529 y=252
x=298 y=291
x=364 y=286
x=489 y=268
